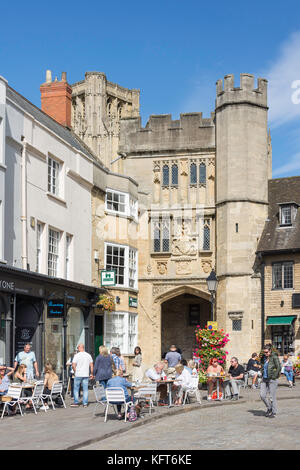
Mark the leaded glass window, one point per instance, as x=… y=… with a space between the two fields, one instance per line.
x=202 y=173
x=174 y=175
x=161 y=235
x=206 y=238
x=166 y=175
x=193 y=173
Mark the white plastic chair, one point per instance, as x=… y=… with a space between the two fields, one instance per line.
x=99 y=392
x=194 y=390
x=56 y=391
x=36 y=396
x=116 y=396
x=15 y=393
x=148 y=393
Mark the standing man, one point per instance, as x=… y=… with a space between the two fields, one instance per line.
x=236 y=379
x=173 y=357
x=28 y=358
x=83 y=368
x=270 y=372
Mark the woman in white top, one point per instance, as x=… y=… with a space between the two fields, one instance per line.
x=137 y=374
x=182 y=382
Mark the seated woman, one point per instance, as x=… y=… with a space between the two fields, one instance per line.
x=20 y=378
x=20 y=374
x=287 y=369
x=50 y=379
x=182 y=383
x=214 y=369
x=119 y=381
x=192 y=366
x=5 y=372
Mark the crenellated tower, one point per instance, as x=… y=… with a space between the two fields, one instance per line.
x=242 y=171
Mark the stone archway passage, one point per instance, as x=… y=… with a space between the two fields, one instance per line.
x=179 y=318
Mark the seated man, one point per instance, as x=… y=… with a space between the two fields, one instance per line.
x=120 y=382
x=182 y=383
x=236 y=374
x=253 y=367
x=157 y=374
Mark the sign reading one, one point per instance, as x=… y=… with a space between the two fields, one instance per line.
x=108 y=278
x=133 y=302
x=7 y=285
x=55 y=308
x=212 y=325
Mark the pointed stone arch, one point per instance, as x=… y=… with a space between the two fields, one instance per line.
x=173 y=292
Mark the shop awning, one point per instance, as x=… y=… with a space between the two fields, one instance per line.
x=280 y=320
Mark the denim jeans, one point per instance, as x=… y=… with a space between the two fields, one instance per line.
x=268 y=390
x=85 y=387
x=103 y=382
x=289 y=375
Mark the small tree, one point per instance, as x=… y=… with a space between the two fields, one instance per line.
x=210 y=343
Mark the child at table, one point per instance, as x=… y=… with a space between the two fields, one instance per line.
x=214 y=369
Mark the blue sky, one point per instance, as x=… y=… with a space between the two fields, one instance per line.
x=173 y=51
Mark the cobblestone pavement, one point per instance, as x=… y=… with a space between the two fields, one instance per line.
x=240 y=426
x=221 y=424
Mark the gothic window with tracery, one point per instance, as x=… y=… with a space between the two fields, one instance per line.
x=174 y=175
x=161 y=235
x=202 y=173
x=193 y=173
x=166 y=176
x=206 y=234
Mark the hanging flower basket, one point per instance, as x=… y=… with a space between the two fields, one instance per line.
x=106 y=302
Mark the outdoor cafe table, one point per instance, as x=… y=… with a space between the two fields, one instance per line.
x=167 y=382
x=218 y=377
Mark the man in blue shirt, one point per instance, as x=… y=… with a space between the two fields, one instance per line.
x=120 y=382
x=173 y=356
x=28 y=358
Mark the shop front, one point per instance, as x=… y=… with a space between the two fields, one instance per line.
x=53 y=315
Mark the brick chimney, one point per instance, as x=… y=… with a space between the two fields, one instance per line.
x=56 y=99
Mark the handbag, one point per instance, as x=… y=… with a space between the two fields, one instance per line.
x=288 y=368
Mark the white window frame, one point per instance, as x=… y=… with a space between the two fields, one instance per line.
x=127 y=345
x=53 y=257
x=130 y=204
x=39 y=246
x=54 y=171
x=128 y=251
x=68 y=256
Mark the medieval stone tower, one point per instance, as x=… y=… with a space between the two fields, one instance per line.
x=242 y=172
x=97 y=107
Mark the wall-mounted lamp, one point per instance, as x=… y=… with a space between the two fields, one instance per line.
x=282 y=303
x=117 y=299
x=96 y=256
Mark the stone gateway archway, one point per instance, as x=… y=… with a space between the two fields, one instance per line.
x=179 y=317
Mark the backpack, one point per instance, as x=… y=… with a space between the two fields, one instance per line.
x=132 y=416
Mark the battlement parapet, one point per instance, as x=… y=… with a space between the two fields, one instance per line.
x=227 y=93
x=162 y=133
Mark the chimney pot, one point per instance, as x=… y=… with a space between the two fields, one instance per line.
x=48 y=76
